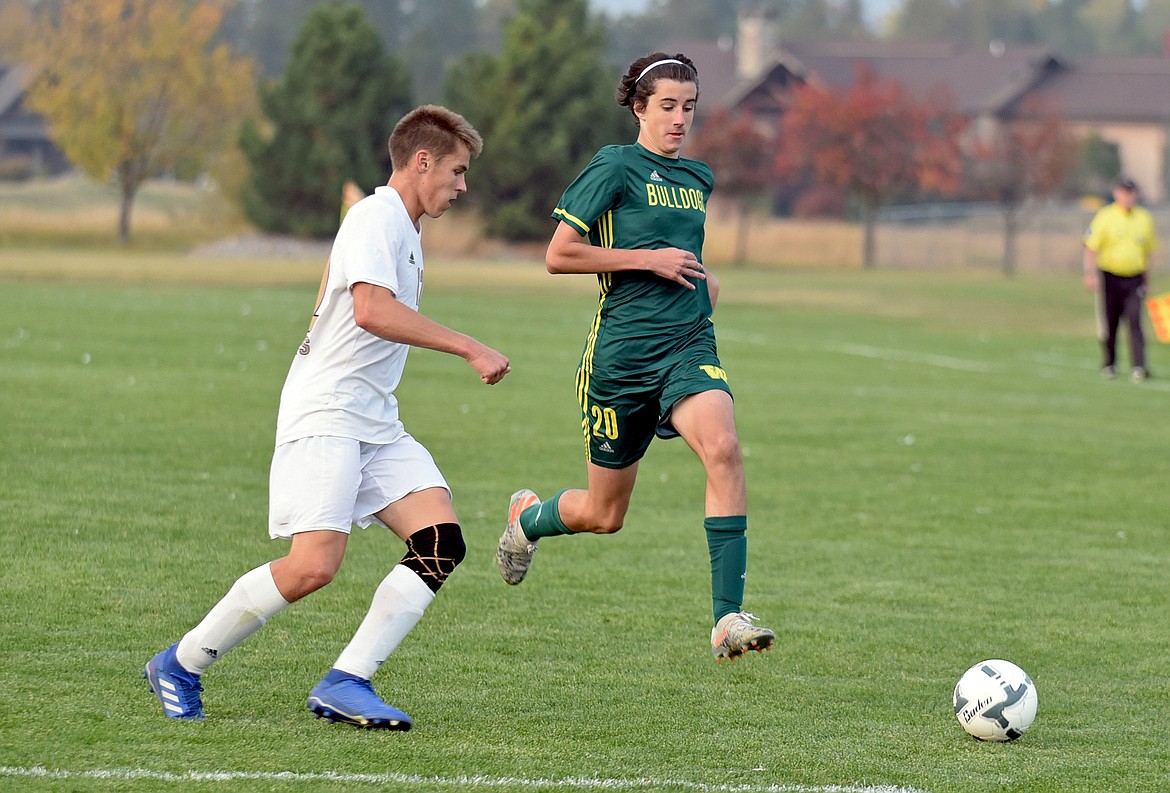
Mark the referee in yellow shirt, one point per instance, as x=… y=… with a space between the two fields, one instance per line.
x=1118 y=246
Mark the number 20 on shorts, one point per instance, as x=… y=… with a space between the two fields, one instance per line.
x=605 y=422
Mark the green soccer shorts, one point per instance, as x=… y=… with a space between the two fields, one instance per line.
x=623 y=409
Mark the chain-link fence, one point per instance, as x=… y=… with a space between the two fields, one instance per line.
x=952 y=236
x=925 y=236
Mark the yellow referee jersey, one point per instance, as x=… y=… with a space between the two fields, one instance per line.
x=1123 y=240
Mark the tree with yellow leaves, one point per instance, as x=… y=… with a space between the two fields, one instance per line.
x=133 y=89
x=15 y=20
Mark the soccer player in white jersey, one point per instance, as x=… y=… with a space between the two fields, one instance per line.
x=342 y=456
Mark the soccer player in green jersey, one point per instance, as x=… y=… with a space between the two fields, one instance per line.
x=635 y=218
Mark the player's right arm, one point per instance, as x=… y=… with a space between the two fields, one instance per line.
x=1089 y=269
x=376 y=311
x=570 y=252
x=1092 y=244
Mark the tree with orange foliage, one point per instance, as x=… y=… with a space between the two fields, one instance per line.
x=739 y=153
x=872 y=139
x=1024 y=158
x=132 y=89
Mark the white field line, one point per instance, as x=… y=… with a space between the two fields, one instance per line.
x=415 y=780
x=1052 y=359
x=1155 y=383
x=910 y=356
x=864 y=351
x=741 y=337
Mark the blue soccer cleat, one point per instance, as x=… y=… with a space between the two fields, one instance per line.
x=176 y=688
x=350 y=699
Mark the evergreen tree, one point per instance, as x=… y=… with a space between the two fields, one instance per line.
x=1063 y=28
x=441 y=32
x=544 y=107
x=1100 y=164
x=850 y=21
x=265 y=30
x=331 y=116
x=427 y=35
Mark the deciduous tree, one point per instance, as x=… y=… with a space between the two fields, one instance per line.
x=1021 y=160
x=16 y=22
x=739 y=153
x=135 y=88
x=871 y=138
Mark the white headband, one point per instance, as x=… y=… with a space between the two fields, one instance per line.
x=656 y=63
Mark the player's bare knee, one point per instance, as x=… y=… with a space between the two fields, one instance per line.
x=434 y=553
x=319 y=579
x=723 y=451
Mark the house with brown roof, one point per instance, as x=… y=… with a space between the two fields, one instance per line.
x=1127 y=102
x=1124 y=100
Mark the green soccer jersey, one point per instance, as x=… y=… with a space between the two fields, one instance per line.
x=629 y=198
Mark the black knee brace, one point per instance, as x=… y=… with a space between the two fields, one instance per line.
x=434 y=552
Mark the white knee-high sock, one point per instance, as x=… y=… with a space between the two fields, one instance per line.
x=398 y=605
x=251 y=602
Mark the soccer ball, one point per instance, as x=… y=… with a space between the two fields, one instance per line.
x=995 y=701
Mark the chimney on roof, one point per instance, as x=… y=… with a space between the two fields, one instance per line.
x=757 y=38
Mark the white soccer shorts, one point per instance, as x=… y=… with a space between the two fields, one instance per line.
x=334 y=483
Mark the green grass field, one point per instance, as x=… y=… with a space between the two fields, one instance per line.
x=938 y=475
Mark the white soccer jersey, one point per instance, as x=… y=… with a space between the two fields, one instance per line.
x=342 y=379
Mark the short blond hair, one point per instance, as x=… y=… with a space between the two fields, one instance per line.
x=435 y=129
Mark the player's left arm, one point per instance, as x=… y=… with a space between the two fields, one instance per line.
x=377 y=311
x=1151 y=239
x=1091 y=244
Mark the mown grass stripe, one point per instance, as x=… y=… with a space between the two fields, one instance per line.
x=568 y=783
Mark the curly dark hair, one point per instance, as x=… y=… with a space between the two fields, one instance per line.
x=634 y=93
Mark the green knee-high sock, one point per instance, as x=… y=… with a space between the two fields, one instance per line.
x=543 y=519
x=727 y=542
